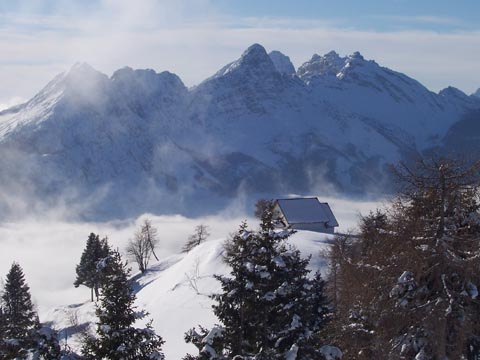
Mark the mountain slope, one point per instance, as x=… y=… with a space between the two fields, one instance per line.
x=182 y=282
x=141 y=141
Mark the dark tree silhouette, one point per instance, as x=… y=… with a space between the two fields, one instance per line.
x=116 y=337
x=88 y=273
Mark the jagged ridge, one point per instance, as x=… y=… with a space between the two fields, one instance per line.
x=141 y=141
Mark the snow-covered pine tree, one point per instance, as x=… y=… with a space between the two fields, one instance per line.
x=20 y=320
x=268 y=307
x=3 y=324
x=116 y=337
x=21 y=334
x=87 y=271
x=46 y=345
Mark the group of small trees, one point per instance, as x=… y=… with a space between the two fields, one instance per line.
x=406 y=287
x=141 y=248
x=103 y=270
x=269 y=308
x=22 y=336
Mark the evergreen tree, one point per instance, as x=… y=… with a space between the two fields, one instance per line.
x=18 y=316
x=88 y=273
x=21 y=334
x=269 y=307
x=46 y=345
x=116 y=336
x=3 y=328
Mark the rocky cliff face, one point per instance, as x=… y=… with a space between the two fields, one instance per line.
x=141 y=141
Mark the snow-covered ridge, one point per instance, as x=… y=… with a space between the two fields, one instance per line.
x=175 y=291
x=256 y=127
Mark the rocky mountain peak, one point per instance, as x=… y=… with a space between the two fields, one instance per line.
x=331 y=55
x=254 y=61
x=282 y=63
x=255 y=51
x=146 y=80
x=83 y=82
x=357 y=60
x=454 y=92
x=329 y=64
x=81 y=68
x=356 y=56
x=83 y=74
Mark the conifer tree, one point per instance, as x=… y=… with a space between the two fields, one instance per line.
x=116 y=337
x=46 y=345
x=269 y=307
x=19 y=318
x=21 y=334
x=87 y=270
x=3 y=324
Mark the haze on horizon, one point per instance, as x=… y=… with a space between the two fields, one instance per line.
x=435 y=42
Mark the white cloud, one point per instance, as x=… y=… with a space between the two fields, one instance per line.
x=11 y=102
x=194 y=40
x=48 y=249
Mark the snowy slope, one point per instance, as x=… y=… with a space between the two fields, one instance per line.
x=175 y=292
x=141 y=141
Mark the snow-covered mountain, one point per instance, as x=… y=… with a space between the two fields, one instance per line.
x=141 y=141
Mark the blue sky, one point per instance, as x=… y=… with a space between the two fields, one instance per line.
x=383 y=15
x=436 y=42
x=379 y=15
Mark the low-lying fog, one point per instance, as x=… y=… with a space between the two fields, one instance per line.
x=48 y=250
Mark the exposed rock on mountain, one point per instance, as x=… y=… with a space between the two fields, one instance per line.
x=282 y=63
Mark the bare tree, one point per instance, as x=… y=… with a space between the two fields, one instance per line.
x=201 y=234
x=151 y=235
x=407 y=286
x=194 y=275
x=142 y=246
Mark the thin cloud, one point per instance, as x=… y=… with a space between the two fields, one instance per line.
x=11 y=102
x=166 y=35
x=424 y=19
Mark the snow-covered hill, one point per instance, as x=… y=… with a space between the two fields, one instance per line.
x=141 y=141
x=175 y=291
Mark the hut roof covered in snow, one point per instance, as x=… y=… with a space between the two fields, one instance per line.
x=306 y=213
